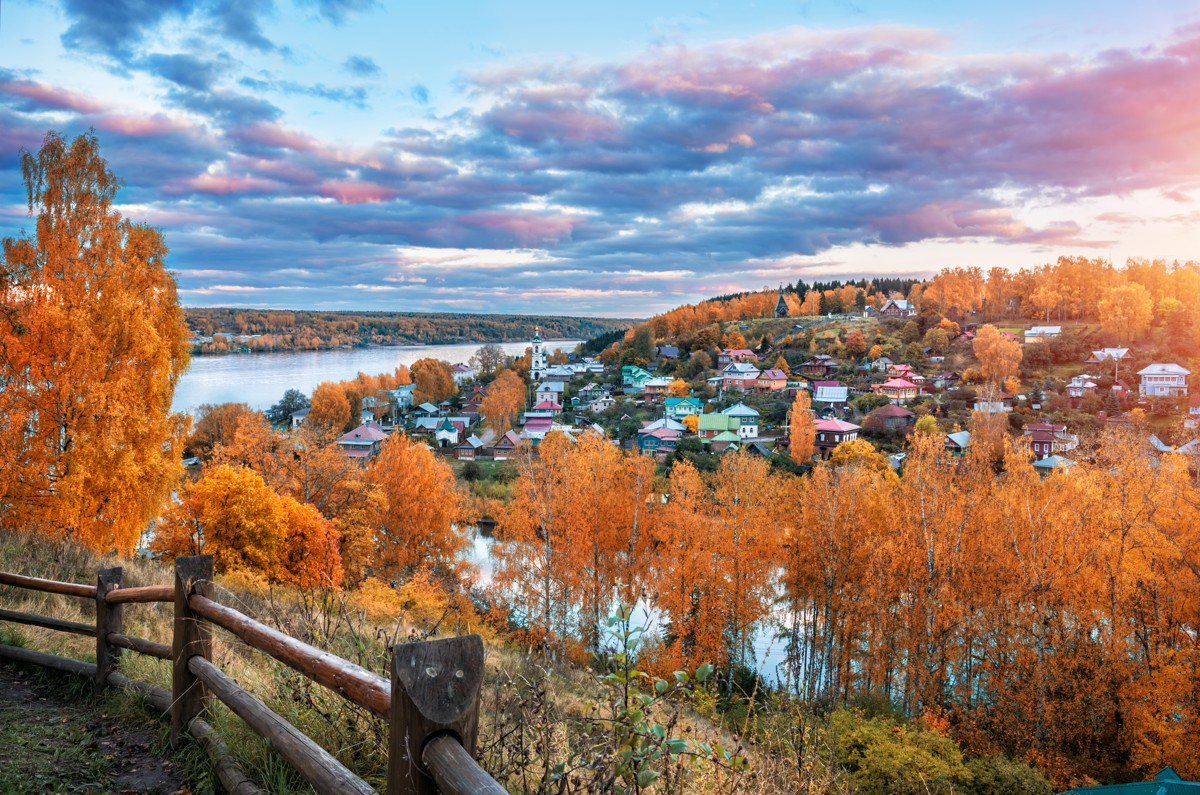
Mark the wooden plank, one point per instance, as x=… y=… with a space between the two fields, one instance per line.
x=455 y=770
x=64 y=664
x=109 y=618
x=48 y=586
x=320 y=768
x=191 y=637
x=435 y=691
x=141 y=594
x=47 y=623
x=148 y=647
x=354 y=682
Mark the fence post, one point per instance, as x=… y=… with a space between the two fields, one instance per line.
x=435 y=691
x=192 y=636
x=109 y=618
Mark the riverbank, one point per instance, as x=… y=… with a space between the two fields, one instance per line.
x=260 y=380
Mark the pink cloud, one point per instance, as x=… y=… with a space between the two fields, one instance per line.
x=50 y=97
x=526 y=230
x=223 y=185
x=351 y=192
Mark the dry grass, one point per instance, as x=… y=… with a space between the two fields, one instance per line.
x=536 y=716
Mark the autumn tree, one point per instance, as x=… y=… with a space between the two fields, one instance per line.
x=781 y=364
x=999 y=357
x=231 y=514
x=505 y=401
x=215 y=425
x=856 y=344
x=679 y=388
x=745 y=498
x=862 y=454
x=488 y=359
x=311 y=555
x=433 y=379
x=686 y=589
x=423 y=504
x=330 y=409
x=1126 y=311
x=93 y=343
x=802 y=432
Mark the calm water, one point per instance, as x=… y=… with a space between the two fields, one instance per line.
x=260 y=379
x=770 y=652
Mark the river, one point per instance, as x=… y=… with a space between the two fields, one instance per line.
x=768 y=648
x=260 y=379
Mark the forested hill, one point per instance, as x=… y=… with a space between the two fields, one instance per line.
x=220 y=330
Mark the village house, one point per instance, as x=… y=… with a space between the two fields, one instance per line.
x=1109 y=355
x=739 y=375
x=402 y=396
x=819 y=365
x=362 y=442
x=771 y=381
x=831 y=433
x=506 y=446
x=830 y=393
x=601 y=403
x=632 y=377
x=667 y=352
x=736 y=355
x=469 y=450
x=298 y=418
x=897 y=308
x=448 y=433
x=677 y=408
x=551 y=391
x=999 y=403
x=1081 y=385
x=652 y=440
x=747 y=420
x=591 y=392
x=1048 y=438
x=900 y=371
x=710 y=425
x=944 y=380
x=881 y=364
x=1163 y=380
x=957 y=443
x=426 y=409
x=657 y=388
x=1041 y=334
x=726 y=441
x=1053 y=463
x=889 y=419
x=536 y=428
x=898 y=390
x=1192 y=420
x=461 y=373
x=547 y=408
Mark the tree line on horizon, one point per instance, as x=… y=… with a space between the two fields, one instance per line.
x=279 y=330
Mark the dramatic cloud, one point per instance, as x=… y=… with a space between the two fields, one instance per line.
x=624 y=187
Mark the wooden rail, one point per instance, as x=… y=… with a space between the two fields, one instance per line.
x=431 y=700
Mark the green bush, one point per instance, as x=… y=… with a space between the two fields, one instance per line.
x=999 y=775
x=883 y=757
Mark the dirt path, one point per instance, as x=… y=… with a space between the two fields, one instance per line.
x=53 y=743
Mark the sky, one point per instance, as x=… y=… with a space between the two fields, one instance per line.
x=616 y=158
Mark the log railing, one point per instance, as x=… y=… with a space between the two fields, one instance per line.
x=431 y=701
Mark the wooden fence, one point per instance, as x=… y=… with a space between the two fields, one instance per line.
x=431 y=702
